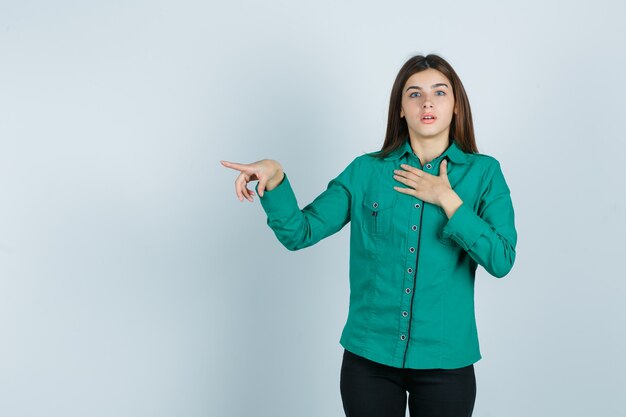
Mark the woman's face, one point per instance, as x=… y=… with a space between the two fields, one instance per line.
x=428 y=105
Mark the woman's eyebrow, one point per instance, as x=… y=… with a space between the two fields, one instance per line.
x=432 y=86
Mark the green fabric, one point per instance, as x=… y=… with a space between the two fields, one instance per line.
x=411 y=291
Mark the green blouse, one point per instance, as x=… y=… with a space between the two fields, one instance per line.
x=412 y=269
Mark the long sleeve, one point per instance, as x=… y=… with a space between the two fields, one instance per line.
x=324 y=216
x=488 y=236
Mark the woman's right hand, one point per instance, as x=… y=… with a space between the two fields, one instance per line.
x=268 y=172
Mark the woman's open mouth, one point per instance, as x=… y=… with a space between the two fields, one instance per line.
x=428 y=118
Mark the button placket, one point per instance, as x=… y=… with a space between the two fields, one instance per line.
x=412 y=249
x=413 y=240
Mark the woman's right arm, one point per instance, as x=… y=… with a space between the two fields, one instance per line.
x=299 y=228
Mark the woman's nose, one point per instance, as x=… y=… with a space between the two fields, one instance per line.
x=428 y=104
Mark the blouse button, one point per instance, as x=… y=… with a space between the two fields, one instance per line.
x=408 y=291
x=417 y=205
x=429 y=166
x=409 y=270
x=402 y=337
x=404 y=314
x=414 y=227
x=375 y=205
x=411 y=249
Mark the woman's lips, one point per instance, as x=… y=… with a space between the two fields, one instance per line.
x=428 y=119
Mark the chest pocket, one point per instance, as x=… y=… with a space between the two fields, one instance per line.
x=377 y=212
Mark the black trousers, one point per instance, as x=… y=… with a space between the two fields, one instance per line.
x=371 y=389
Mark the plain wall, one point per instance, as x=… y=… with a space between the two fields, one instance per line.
x=134 y=283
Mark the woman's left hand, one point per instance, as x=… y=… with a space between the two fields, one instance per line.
x=430 y=188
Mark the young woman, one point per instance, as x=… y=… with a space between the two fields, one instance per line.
x=425 y=210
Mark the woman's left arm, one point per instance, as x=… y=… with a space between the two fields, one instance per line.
x=489 y=235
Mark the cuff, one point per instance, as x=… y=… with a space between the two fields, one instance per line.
x=280 y=200
x=465 y=227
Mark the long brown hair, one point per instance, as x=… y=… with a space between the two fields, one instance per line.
x=461 y=127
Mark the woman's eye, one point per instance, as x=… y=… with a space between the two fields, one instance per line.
x=442 y=93
x=414 y=94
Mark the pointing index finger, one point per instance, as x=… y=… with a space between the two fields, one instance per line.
x=234 y=165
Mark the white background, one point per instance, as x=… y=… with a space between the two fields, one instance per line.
x=134 y=283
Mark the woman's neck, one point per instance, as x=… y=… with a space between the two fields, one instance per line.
x=427 y=149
